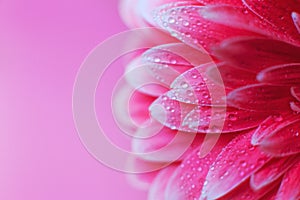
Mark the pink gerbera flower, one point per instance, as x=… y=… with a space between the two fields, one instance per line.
x=254 y=46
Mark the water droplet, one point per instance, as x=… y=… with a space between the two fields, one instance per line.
x=171 y=20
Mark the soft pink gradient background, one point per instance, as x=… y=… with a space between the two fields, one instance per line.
x=42 y=44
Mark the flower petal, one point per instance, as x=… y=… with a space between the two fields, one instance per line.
x=138 y=76
x=260 y=97
x=161 y=144
x=271 y=171
x=295 y=106
x=188 y=179
x=206 y=119
x=255 y=54
x=296 y=92
x=287 y=74
x=237 y=161
x=158 y=187
x=277 y=13
x=271 y=124
x=231 y=77
x=281 y=138
x=296 y=19
x=212 y=2
x=290 y=185
x=194 y=86
x=187 y=24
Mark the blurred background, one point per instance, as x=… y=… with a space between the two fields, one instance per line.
x=42 y=45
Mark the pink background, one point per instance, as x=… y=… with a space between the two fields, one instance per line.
x=42 y=44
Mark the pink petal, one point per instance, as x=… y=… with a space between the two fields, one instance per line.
x=130 y=107
x=271 y=171
x=260 y=97
x=255 y=54
x=296 y=19
x=241 y=18
x=141 y=180
x=245 y=192
x=290 y=185
x=170 y=112
x=296 y=92
x=231 y=77
x=281 y=139
x=295 y=106
x=287 y=74
x=188 y=25
x=158 y=187
x=215 y=119
x=138 y=76
x=188 y=180
x=161 y=144
x=177 y=54
x=277 y=13
x=212 y=2
x=271 y=125
x=237 y=161
x=194 y=86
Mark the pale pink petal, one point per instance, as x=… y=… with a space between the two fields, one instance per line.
x=188 y=180
x=277 y=13
x=158 y=187
x=260 y=97
x=271 y=171
x=177 y=54
x=188 y=25
x=255 y=54
x=138 y=76
x=290 y=185
x=296 y=92
x=207 y=119
x=161 y=144
x=286 y=74
x=141 y=180
x=237 y=161
x=169 y=112
x=231 y=77
x=194 y=86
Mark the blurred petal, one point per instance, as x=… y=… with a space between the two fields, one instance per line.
x=170 y=145
x=296 y=92
x=271 y=171
x=290 y=185
x=295 y=106
x=188 y=25
x=231 y=77
x=279 y=136
x=255 y=54
x=277 y=13
x=296 y=19
x=212 y=2
x=194 y=86
x=286 y=74
x=158 y=187
x=237 y=161
x=260 y=97
x=188 y=179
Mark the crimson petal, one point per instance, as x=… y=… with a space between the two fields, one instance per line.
x=277 y=13
x=260 y=97
x=237 y=161
x=271 y=171
x=188 y=25
x=290 y=185
x=296 y=92
x=287 y=74
x=255 y=54
x=279 y=136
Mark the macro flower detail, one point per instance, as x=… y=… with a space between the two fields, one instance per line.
x=232 y=73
